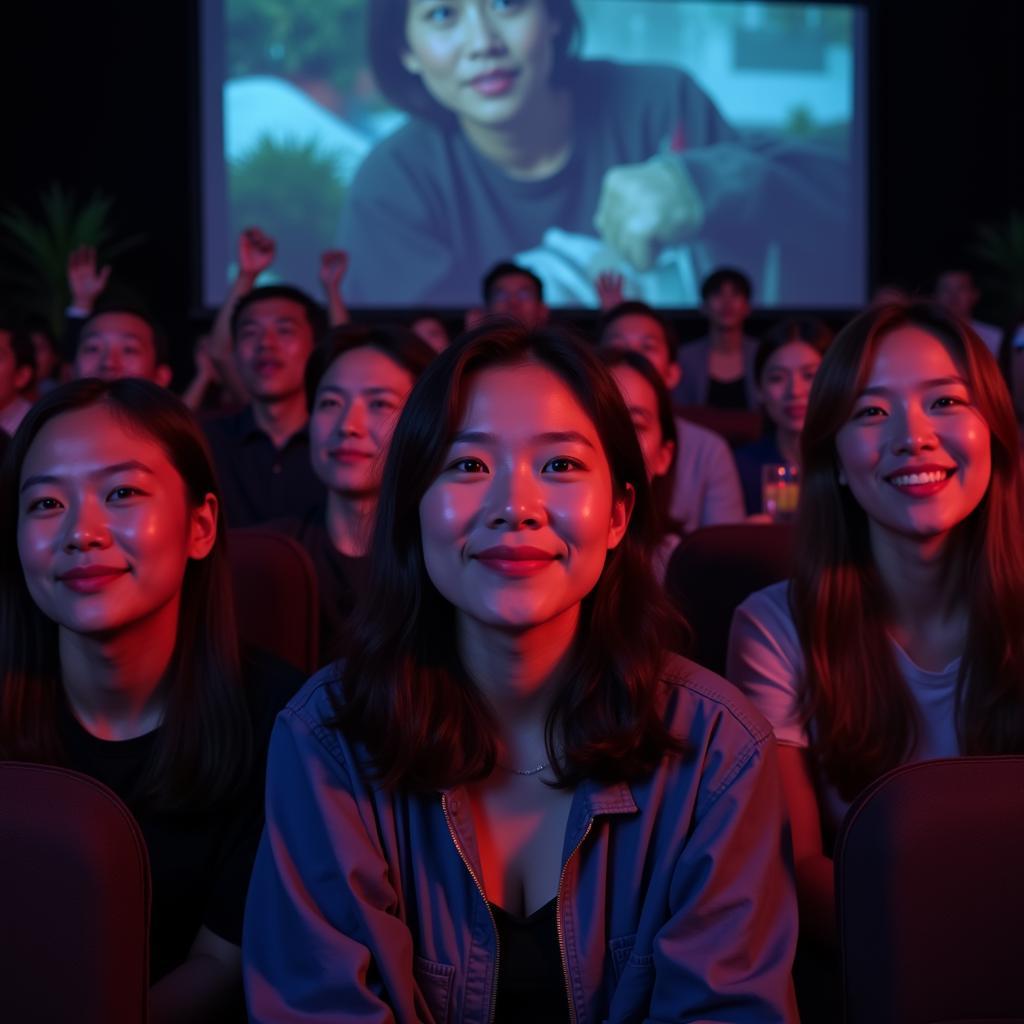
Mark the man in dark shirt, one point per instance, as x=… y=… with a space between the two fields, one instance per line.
x=262 y=452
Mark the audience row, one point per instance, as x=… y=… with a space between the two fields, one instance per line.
x=501 y=752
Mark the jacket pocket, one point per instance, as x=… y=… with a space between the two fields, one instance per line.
x=435 y=983
x=633 y=974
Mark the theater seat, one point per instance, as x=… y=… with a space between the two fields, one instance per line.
x=275 y=595
x=714 y=569
x=74 y=901
x=737 y=426
x=930 y=894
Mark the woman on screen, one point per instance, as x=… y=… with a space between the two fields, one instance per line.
x=510 y=804
x=900 y=637
x=516 y=148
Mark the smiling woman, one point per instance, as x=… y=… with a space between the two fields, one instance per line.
x=909 y=536
x=509 y=760
x=120 y=658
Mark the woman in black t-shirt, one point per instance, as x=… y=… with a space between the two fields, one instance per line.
x=120 y=658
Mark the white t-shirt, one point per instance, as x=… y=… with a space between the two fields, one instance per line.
x=766 y=662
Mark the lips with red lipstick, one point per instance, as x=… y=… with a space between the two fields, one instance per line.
x=349 y=456
x=516 y=560
x=89 y=579
x=494 y=83
x=921 y=481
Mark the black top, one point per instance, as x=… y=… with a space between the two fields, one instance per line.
x=258 y=481
x=730 y=394
x=341 y=580
x=200 y=862
x=531 y=982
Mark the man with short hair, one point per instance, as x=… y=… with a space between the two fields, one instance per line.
x=718 y=369
x=121 y=340
x=955 y=289
x=511 y=290
x=707 y=486
x=262 y=452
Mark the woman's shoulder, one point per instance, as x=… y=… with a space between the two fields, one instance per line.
x=698 y=698
x=627 y=82
x=414 y=149
x=769 y=605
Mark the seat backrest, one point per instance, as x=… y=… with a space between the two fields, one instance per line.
x=737 y=426
x=714 y=569
x=275 y=595
x=930 y=894
x=74 y=901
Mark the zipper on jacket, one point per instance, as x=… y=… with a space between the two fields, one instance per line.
x=483 y=896
x=558 y=921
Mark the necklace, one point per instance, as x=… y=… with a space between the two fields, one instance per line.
x=525 y=771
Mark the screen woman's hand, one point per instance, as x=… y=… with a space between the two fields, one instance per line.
x=644 y=207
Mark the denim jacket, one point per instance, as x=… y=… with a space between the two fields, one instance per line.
x=676 y=900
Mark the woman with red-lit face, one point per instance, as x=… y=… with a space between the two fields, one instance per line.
x=517 y=526
x=506 y=679
x=122 y=658
x=916 y=451
x=900 y=629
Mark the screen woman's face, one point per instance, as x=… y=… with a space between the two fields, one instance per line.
x=487 y=61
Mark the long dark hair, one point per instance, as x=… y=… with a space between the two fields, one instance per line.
x=863 y=717
x=204 y=745
x=404 y=695
x=386 y=41
x=662 y=487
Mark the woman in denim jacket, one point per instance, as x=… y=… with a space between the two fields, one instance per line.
x=509 y=802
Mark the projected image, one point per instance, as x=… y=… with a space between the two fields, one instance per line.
x=653 y=139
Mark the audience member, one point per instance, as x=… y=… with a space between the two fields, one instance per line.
x=784 y=368
x=511 y=290
x=955 y=289
x=356 y=384
x=262 y=452
x=718 y=370
x=431 y=330
x=899 y=637
x=706 y=490
x=122 y=340
x=50 y=368
x=508 y=756
x=650 y=408
x=17 y=372
x=120 y=660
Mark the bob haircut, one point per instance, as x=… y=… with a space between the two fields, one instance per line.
x=807 y=329
x=403 y=693
x=863 y=718
x=204 y=748
x=386 y=31
x=662 y=487
x=400 y=344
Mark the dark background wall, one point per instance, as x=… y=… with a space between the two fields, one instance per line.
x=105 y=95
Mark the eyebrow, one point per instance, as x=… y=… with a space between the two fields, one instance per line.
x=118 y=467
x=937 y=382
x=549 y=437
x=383 y=389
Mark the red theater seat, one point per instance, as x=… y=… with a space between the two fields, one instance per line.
x=930 y=895
x=275 y=595
x=714 y=569
x=737 y=426
x=74 y=901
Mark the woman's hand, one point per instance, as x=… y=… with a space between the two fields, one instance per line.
x=643 y=207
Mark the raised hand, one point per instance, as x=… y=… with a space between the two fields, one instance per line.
x=643 y=207
x=84 y=279
x=333 y=267
x=609 y=289
x=256 y=251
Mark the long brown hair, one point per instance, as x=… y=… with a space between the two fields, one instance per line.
x=862 y=716
x=204 y=748
x=405 y=696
